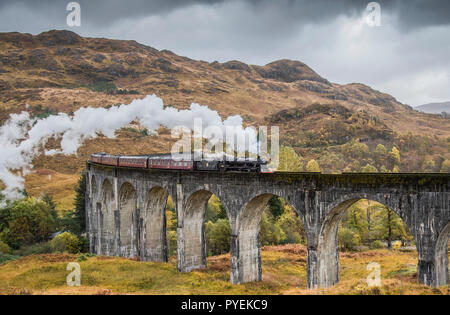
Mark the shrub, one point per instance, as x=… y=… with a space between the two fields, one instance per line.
x=397 y=245
x=348 y=240
x=7 y=257
x=4 y=248
x=34 y=249
x=377 y=244
x=66 y=242
x=82 y=257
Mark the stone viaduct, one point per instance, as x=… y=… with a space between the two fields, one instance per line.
x=126 y=215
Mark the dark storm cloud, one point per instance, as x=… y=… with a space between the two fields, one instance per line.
x=411 y=13
x=107 y=11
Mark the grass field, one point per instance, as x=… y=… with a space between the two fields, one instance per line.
x=284 y=272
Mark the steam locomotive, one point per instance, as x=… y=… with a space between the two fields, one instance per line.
x=165 y=161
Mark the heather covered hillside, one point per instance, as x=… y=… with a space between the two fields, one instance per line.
x=350 y=128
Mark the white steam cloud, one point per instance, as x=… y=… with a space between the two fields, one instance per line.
x=22 y=137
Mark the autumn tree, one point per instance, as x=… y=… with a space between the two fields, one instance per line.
x=394 y=157
x=428 y=166
x=445 y=168
x=389 y=226
x=312 y=166
x=380 y=155
x=369 y=169
x=289 y=160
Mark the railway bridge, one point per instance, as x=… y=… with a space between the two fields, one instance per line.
x=126 y=215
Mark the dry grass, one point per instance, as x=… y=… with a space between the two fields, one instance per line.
x=284 y=272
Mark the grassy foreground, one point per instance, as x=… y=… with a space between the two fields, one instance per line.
x=284 y=272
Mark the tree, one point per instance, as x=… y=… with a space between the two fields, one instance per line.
x=289 y=160
x=312 y=166
x=292 y=226
x=270 y=231
x=25 y=222
x=49 y=201
x=348 y=239
x=389 y=226
x=355 y=150
x=383 y=169
x=80 y=204
x=380 y=154
x=215 y=210
x=428 y=166
x=394 y=157
x=276 y=206
x=369 y=169
x=218 y=236
x=357 y=220
x=445 y=168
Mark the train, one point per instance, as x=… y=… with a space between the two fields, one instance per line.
x=165 y=161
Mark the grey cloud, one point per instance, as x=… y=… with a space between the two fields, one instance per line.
x=411 y=13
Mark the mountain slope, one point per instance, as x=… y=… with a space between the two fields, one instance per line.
x=42 y=69
x=60 y=71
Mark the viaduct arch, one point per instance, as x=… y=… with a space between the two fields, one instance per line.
x=126 y=215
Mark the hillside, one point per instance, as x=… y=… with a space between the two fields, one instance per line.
x=434 y=108
x=59 y=71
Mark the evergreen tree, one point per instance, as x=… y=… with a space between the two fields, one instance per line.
x=49 y=201
x=276 y=207
x=80 y=206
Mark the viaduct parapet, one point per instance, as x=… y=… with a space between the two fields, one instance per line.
x=126 y=215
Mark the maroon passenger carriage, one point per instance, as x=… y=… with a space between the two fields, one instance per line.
x=165 y=161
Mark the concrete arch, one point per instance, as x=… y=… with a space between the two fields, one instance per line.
x=245 y=242
x=191 y=232
x=154 y=239
x=107 y=226
x=327 y=255
x=127 y=215
x=441 y=254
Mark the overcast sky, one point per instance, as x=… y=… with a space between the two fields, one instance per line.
x=407 y=56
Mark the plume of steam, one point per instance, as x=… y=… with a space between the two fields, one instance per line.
x=22 y=137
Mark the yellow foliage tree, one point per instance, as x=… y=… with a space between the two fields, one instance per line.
x=445 y=168
x=312 y=166
x=289 y=160
x=369 y=169
x=394 y=156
